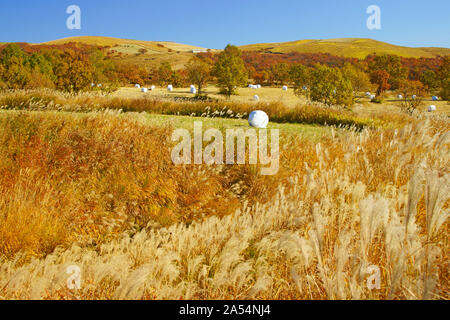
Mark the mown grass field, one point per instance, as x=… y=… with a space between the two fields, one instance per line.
x=87 y=180
x=363 y=106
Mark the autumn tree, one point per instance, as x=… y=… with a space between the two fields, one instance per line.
x=392 y=65
x=74 y=72
x=381 y=79
x=230 y=70
x=300 y=76
x=16 y=72
x=430 y=79
x=165 y=74
x=198 y=72
x=329 y=87
x=280 y=73
x=444 y=78
x=358 y=78
x=412 y=92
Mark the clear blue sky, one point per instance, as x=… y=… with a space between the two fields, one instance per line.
x=215 y=23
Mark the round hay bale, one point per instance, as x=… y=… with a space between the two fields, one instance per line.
x=258 y=119
x=152 y=88
x=193 y=90
x=431 y=108
x=170 y=87
x=255 y=97
x=400 y=96
x=144 y=89
x=137 y=85
x=285 y=88
x=434 y=98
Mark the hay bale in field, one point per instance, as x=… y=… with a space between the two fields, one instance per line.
x=137 y=85
x=170 y=87
x=285 y=88
x=414 y=97
x=368 y=94
x=431 y=108
x=400 y=96
x=152 y=88
x=258 y=119
x=144 y=89
x=434 y=98
x=193 y=90
x=255 y=97
x=372 y=96
x=258 y=86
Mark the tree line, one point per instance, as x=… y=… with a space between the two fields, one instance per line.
x=324 y=78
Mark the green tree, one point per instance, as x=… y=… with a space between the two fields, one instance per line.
x=444 y=79
x=358 y=78
x=198 y=72
x=230 y=70
x=330 y=87
x=16 y=73
x=300 y=76
x=430 y=79
x=280 y=73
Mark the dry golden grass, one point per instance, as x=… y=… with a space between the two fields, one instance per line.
x=347 y=47
x=101 y=189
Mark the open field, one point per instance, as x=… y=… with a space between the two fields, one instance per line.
x=270 y=94
x=97 y=189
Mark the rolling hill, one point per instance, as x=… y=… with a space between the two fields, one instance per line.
x=347 y=47
x=155 y=52
x=151 y=54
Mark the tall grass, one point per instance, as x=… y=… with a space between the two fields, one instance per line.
x=101 y=188
x=277 y=111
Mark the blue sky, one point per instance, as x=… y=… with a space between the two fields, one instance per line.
x=215 y=23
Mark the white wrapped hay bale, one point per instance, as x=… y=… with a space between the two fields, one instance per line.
x=434 y=98
x=431 y=108
x=285 y=88
x=258 y=119
x=137 y=85
x=414 y=97
x=152 y=88
x=255 y=97
x=258 y=86
x=144 y=90
x=368 y=94
x=193 y=90
x=250 y=86
x=372 y=96
x=170 y=87
x=400 y=96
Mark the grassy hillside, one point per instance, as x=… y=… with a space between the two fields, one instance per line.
x=178 y=54
x=347 y=47
x=130 y=50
